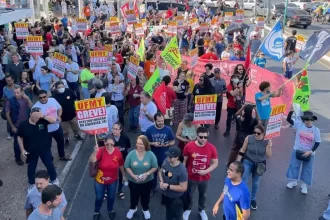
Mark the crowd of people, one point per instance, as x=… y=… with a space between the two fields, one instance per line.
x=39 y=106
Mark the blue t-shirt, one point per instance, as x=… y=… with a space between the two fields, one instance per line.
x=64 y=21
x=45 y=81
x=260 y=62
x=219 y=47
x=234 y=58
x=236 y=198
x=263 y=107
x=162 y=136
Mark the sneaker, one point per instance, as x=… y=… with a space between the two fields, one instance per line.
x=67 y=141
x=96 y=216
x=254 y=205
x=19 y=162
x=31 y=186
x=186 y=214
x=130 y=213
x=55 y=182
x=303 y=188
x=9 y=137
x=78 y=137
x=203 y=215
x=292 y=184
x=146 y=214
x=112 y=215
x=226 y=134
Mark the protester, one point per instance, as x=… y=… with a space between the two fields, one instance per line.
x=219 y=85
x=26 y=84
x=8 y=92
x=85 y=76
x=254 y=151
x=290 y=42
x=147 y=111
x=326 y=213
x=35 y=64
x=238 y=56
x=208 y=70
x=110 y=161
x=45 y=80
x=140 y=164
x=15 y=67
x=307 y=141
x=260 y=60
x=200 y=158
x=288 y=63
x=255 y=43
x=170 y=99
x=72 y=75
x=204 y=87
x=180 y=86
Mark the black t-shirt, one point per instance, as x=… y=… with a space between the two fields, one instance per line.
x=123 y=144
x=183 y=88
x=66 y=100
x=198 y=90
x=291 y=43
x=210 y=76
x=35 y=137
x=182 y=71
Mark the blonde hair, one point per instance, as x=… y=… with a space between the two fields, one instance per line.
x=190 y=74
x=145 y=142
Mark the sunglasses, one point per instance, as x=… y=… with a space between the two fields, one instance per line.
x=42 y=97
x=240 y=69
x=257 y=133
x=308 y=119
x=203 y=137
x=262 y=54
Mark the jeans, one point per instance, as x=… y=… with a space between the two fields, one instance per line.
x=249 y=168
x=74 y=86
x=99 y=193
x=85 y=93
x=17 y=150
x=134 y=112
x=288 y=74
x=202 y=192
x=306 y=174
x=120 y=106
x=230 y=116
x=46 y=158
x=174 y=208
x=218 y=112
x=140 y=192
x=326 y=213
x=59 y=138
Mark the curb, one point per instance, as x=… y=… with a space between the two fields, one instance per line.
x=324 y=58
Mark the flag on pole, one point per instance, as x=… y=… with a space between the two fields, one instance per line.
x=171 y=53
x=160 y=98
x=141 y=49
x=273 y=44
x=303 y=92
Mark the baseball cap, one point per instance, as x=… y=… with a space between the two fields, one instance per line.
x=173 y=152
x=216 y=70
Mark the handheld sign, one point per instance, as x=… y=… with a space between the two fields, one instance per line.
x=99 y=61
x=205 y=109
x=34 y=45
x=275 y=122
x=22 y=30
x=59 y=64
x=81 y=24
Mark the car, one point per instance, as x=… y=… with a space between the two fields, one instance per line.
x=303 y=4
x=249 y=4
x=275 y=9
x=298 y=17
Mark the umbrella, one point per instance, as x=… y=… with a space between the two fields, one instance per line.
x=236 y=27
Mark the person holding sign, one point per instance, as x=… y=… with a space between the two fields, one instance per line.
x=254 y=151
x=307 y=141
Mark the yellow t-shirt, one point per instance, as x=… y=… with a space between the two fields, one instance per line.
x=191 y=85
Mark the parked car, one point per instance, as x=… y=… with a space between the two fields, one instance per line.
x=298 y=17
x=249 y=4
x=275 y=9
x=303 y=4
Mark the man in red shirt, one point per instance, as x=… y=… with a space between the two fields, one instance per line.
x=200 y=158
x=210 y=54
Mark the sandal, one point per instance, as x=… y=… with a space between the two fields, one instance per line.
x=121 y=195
x=65 y=158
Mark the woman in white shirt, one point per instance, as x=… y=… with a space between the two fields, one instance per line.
x=117 y=96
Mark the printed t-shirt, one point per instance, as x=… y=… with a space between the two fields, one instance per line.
x=263 y=107
x=305 y=136
x=183 y=88
x=231 y=99
x=50 y=109
x=236 y=198
x=144 y=122
x=108 y=165
x=199 y=158
x=260 y=62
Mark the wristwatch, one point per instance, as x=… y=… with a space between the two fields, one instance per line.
x=168 y=186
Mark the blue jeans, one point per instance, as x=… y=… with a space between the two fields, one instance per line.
x=99 y=193
x=59 y=138
x=326 y=213
x=306 y=174
x=120 y=107
x=249 y=168
x=288 y=74
x=74 y=86
x=85 y=93
x=134 y=112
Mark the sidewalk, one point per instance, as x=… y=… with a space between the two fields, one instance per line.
x=14 y=177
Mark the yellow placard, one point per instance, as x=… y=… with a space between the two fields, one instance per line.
x=90 y=104
x=34 y=38
x=60 y=57
x=100 y=53
x=21 y=25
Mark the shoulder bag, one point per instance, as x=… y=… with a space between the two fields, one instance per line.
x=94 y=166
x=260 y=167
x=299 y=156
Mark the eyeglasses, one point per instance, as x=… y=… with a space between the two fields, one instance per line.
x=257 y=133
x=116 y=129
x=203 y=137
x=109 y=144
x=42 y=97
x=262 y=54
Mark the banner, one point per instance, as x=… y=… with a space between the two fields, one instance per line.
x=92 y=116
x=131 y=17
x=141 y=50
x=152 y=83
x=205 y=109
x=194 y=57
x=260 y=23
x=275 y=122
x=203 y=27
x=114 y=28
x=172 y=28
x=22 y=30
x=34 y=45
x=194 y=24
x=81 y=24
x=300 y=41
x=109 y=49
x=99 y=61
x=171 y=53
x=138 y=29
x=59 y=62
x=239 y=18
x=133 y=66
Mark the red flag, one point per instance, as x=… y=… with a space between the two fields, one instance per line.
x=168 y=14
x=248 y=58
x=160 y=97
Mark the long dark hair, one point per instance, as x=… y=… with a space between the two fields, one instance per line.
x=248 y=119
x=236 y=71
x=207 y=84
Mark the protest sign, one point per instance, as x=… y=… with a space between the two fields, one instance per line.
x=34 y=45
x=171 y=53
x=131 y=17
x=132 y=67
x=301 y=40
x=114 y=20
x=194 y=24
x=130 y=28
x=229 y=17
x=144 y=23
x=204 y=27
x=139 y=31
x=152 y=83
x=205 y=109
x=275 y=122
x=114 y=28
x=109 y=49
x=59 y=62
x=92 y=116
x=239 y=18
x=172 y=28
x=194 y=57
x=99 y=61
x=142 y=8
x=81 y=24
x=22 y=30
x=129 y=5
x=107 y=25
x=180 y=20
x=260 y=23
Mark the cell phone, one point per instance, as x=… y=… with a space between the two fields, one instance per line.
x=187 y=137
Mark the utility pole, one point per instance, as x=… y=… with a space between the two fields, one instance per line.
x=268 y=11
x=285 y=12
x=255 y=9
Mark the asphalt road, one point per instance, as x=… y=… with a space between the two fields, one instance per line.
x=275 y=201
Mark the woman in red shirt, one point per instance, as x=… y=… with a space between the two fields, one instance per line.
x=237 y=45
x=110 y=161
x=170 y=97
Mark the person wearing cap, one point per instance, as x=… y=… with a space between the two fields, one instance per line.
x=173 y=180
x=219 y=85
x=35 y=141
x=307 y=141
x=260 y=60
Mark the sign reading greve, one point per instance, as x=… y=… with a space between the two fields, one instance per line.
x=92 y=115
x=133 y=66
x=99 y=61
x=59 y=64
x=172 y=28
x=81 y=24
x=34 y=45
x=205 y=109
x=131 y=17
x=275 y=122
x=22 y=30
x=114 y=28
x=139 y=31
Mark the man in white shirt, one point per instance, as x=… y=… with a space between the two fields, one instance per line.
x=73 y=29
x=35 y=64
x=72 y=75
